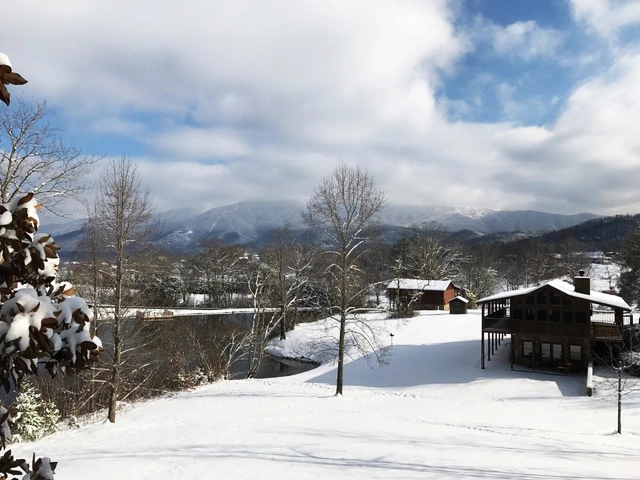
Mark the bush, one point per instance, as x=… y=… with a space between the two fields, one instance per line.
x=35 y=418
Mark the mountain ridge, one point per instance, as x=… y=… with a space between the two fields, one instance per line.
x=250 y=222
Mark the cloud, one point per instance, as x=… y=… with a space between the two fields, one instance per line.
x=201 y=143
x=523 y=40
x=258 y=100
x=606 y=17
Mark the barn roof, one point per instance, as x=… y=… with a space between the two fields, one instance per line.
x=600 y=298
x=419 y=284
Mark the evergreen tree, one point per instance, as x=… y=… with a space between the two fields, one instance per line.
x=35 y=418
x=629 y=283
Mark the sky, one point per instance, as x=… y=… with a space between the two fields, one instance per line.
x=505 y=104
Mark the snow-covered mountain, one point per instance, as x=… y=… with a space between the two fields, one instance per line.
x=253 y=221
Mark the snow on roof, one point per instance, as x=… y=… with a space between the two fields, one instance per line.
x=460 y=298
x=418 y=284
x=600 y=298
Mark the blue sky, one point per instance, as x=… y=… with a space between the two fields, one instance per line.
x=515 y=104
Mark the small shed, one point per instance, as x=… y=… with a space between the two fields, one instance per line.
x=458 y=305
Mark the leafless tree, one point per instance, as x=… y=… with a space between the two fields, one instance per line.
x=429 y=255
x=290 y=266
x=341 y=207
x=217 y=270
x=478 y=273
x=122 y=213
x=572 y=258
x=538 y=262
x=621 y=364
x=34 y=158
x=260 y=279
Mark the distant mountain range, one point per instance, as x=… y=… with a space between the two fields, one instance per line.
x=252 y=222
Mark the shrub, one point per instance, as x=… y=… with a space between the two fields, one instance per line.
x=35 y=418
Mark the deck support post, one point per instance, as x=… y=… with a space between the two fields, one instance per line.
x=482 y=350
x=513 y=352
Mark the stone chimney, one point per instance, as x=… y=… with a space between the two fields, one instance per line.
x=582 y=284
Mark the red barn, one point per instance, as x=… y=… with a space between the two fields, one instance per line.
x=417 y=294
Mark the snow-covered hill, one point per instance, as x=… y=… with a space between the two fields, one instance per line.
x=429 y=413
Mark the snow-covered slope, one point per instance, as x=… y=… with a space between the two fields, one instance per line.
x=429 y=413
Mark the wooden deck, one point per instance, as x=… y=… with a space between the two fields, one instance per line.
x=595 y=330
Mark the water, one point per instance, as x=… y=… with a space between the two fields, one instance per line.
x=210 y=325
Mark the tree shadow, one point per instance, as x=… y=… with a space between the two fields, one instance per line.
x=444 y=363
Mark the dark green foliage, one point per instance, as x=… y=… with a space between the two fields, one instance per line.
x=629 y=283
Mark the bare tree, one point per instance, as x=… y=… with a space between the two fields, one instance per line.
x=622 y=367
x=341 y=207
x=429 y=255
x=123 y=214
x=538 y=262
x=572 y=257
x=33 y=157
x=478 y=273
x=260 y=279
x=286 y=258
x=217 y=270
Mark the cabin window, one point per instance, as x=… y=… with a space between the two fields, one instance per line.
x=541 y=298
x=529 y=314
x=542 y=315
x=557 y=351
x=567 y=301
x=545 y=350
x=529 y=300
x=527 y=348
x=575 y=352
x=555 y=298
x=567 y=316
x=555 y=316
x=581 y=317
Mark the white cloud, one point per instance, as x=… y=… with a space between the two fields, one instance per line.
x=607 y=17
x=526 y=40
x=255 y=100
x=200 y=143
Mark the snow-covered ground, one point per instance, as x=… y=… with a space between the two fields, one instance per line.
x=431 y=412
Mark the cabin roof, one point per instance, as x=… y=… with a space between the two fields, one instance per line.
x=419 y=284
x=600 y=298
x=459 y=298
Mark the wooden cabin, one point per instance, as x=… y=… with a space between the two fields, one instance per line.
x=552 y=326
x=416 y=294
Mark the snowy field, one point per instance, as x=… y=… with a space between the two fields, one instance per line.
x=431 y=412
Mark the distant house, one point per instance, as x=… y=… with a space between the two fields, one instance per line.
x=417 y=294
x=552 y=326
x=596 y=256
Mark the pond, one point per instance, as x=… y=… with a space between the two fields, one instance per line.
x=209 y=326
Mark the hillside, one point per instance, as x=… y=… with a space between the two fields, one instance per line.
x=430 y=412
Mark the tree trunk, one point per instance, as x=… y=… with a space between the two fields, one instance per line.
x=619 y=400
x=283 y=323
x=343 y=323
x=115 y=374
x=340 y=377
